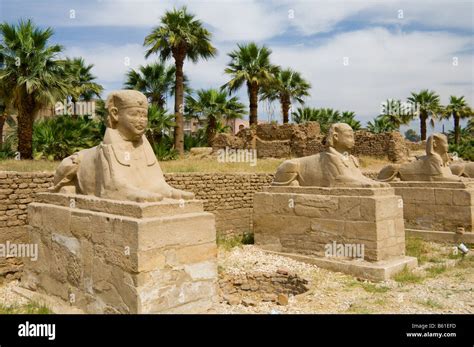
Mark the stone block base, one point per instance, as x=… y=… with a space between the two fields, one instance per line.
x=309 y=220
x=441 y=236
x=105 y=256
x=373 y=271
x=437 y=206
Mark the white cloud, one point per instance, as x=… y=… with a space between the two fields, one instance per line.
x=110 y=62
x=381 y=65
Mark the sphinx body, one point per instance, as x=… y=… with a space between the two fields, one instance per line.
x=123 y=166
x=462 y=168
x=332 y=168
x=434 y=166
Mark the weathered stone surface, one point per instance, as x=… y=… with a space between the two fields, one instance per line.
x=102 y=262
x=437 y=206
x=373 y=220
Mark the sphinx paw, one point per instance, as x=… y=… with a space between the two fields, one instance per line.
x=181 y=194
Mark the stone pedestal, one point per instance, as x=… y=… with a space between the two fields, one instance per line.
x=307 y=221
x=105 y=256
x=435 y=211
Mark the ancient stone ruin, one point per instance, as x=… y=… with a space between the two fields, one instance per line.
x=299 y=140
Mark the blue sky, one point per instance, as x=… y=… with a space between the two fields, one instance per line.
x=392 y=47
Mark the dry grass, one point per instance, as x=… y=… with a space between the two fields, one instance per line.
x=372 y=163
x=28 y=165
x=268 y=165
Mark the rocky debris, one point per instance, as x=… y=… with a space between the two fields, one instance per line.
x=282 y=299
x=331 y=292
x=200 y=152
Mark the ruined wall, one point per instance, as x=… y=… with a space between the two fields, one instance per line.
x=297 y=140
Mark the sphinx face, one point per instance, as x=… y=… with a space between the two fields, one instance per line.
x=441 y=146
x=344 y=139
x=132 y=122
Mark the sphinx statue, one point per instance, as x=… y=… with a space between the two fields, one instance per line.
x=123 y=166
x=463 y=168
x=334 y=167
x=434 y=166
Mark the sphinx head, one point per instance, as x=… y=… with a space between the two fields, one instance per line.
x=128 y=113
x=437 y=143
x=340 y=137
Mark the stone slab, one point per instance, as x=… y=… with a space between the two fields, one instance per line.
x=373 y=271
x=156 y=258
x=441 y=236
x=437 y=206
x=306 y=223
x=331 y=191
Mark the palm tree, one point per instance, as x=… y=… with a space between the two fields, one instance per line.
x=381 y=124
x=325 y=117
x=250 y=64
x=159 y=123
x=82 y=85
x=427 y=106
x=214 y=107
x=349 y=118
x=288 y=87
x=180 y=36
x=31 y=74
x=303 y=115
x=155 y=80
x=458 y=109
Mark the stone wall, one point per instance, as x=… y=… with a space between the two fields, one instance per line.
x=17 y=190
x=297 y=140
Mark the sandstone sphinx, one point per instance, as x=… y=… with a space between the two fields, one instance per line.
x=112 y=236
x=322 y=201
x=438 y=198
x=334 y=167
x=433 y=167
x=123 y=166
x=463 y=168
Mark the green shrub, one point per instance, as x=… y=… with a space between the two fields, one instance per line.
x=58 y=137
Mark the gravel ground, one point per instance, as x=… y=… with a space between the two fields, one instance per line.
x=8 y=297
x=451 y=291
x=448 y=292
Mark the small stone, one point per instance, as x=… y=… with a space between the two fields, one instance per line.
x=248 y=302
x=232 y=299
x=282 y=272
x=245 y=287
x=269 y=297
x=282 y=299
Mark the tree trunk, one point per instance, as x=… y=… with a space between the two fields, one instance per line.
x=211 y=130
x=285 y=108
x=423 y=118
x=253 y=95
x=179 y=105
x=3 y=117
x=457 y=129
x=25 y=128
